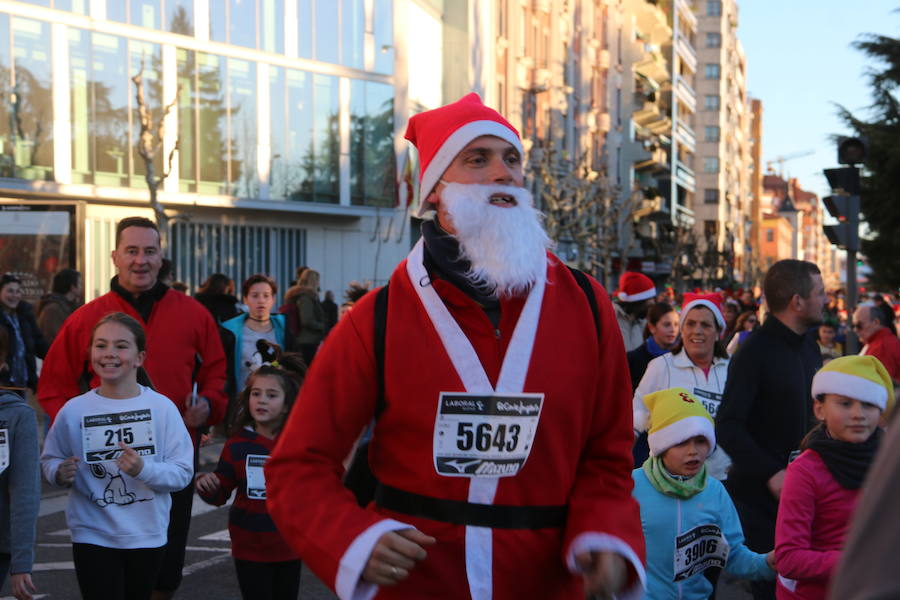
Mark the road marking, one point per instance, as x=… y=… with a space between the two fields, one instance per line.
x=209 y=562
x=61 y=532
x=207 y=549
x=218 y=536
x=35 y=596
x=53 y=566
x=53 y=505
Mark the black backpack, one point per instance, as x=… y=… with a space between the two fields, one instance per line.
x=359 y=478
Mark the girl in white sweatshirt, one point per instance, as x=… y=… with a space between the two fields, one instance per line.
x=122 y=448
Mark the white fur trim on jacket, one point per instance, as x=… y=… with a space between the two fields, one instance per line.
x=452 y=146
x=592 y=541
x=852 y=386
x=679 y=431
x=349 y=584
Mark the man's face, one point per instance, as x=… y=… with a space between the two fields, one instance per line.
x=814 y=305
x=864 y=324
x=485 y=160
x=137 y=259
x=78 y=289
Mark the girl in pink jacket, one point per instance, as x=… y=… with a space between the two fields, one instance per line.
x=822 y=485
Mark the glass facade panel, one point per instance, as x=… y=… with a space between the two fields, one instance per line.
x=327 y=39
x=271 y=25
x=109 y=96
x=180 y=16
x=80 y=99
x=116 y=10
x=242 y=128
x=304 y=28
x=28 y=149
x=212 y=117
x=372 y=158
x=353 y=30
x=292 y=159
x=7 y=143
x=326 y=139
x=75 y=6
x=384 y=36
x=150 y=57
x=145 y=13
x=218 y=21
x=187 y=120
x=242 y=22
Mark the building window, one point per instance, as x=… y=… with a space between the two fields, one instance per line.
x=26 y=116
x=249 y=23
x=217 y=124
x=305 y=159
x=770 y=235
x=713 y=40
x=713 y=8
x=712 y=133
x=711 y=102
x=334 y=31
x=372 y=160
x=710 y=196
x=711 y=165
x=713 y=71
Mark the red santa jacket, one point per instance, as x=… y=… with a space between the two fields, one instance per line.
x=179 y=330
x=581 y=455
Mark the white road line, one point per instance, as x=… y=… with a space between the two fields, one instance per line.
x=209 y=562
x=36 y=597
x=53 y=505
x=218 y=536
x=207 y=549
x=54 y=566
x=61 y=533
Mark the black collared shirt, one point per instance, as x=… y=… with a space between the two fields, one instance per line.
x=144 y=301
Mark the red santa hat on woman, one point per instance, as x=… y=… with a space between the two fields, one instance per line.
x=440 y=134
x=711 y=301
x=634 y=287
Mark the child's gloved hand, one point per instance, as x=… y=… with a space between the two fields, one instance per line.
x=130 y=461
x=65 y=473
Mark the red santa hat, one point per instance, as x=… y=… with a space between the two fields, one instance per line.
x=440 y=134
x=634 y=287
x=711 y=301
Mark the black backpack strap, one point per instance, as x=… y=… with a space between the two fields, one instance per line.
x=381 y=306
x=585 y=284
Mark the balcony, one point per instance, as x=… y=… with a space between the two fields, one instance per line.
x=658 y=160
x=687 y=53
x=685 y=136
x=686 y=14
x=685 y=93
x=684 y=176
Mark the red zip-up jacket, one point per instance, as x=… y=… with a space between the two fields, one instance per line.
x=179 y=331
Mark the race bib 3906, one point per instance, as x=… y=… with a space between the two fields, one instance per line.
x=101 y=434
x=477 y=435
x=699 y=549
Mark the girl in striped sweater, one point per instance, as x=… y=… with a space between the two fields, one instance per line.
x=267 y=569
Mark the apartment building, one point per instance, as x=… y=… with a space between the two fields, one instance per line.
x=285 y=124
x=723 y=205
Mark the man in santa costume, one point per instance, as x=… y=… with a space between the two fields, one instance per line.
x=503 y=452
x=633 y=299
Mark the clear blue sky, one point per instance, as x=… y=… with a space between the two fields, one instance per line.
x=800 y=63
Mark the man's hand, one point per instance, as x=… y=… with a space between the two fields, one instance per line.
x=21 y=587
x=770 y=560
x=776 y=482
x=130 y=461
x=207 y=483
x=65 y=473
x=395 y=555
x=605 y=573
x=196 y=411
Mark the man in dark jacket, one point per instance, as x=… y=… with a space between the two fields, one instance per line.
x=25 y=340
x=66 y=294
x=766 y=407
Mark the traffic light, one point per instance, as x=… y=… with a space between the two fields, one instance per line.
x=844 y=206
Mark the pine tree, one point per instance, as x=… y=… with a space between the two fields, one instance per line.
x=880 y=197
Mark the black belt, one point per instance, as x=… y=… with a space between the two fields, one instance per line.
x=468 y=513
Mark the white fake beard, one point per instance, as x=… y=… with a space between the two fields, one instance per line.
x=505 y=245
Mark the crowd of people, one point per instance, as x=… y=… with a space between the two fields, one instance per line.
x=522 y=432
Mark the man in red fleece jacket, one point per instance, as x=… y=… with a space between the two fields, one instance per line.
x=183 y=345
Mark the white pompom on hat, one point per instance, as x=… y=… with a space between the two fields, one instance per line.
x=862 y=378
x=440 y=134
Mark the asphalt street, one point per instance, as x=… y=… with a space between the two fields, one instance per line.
x=208 y=572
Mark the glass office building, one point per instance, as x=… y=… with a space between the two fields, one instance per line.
x=279 y=144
